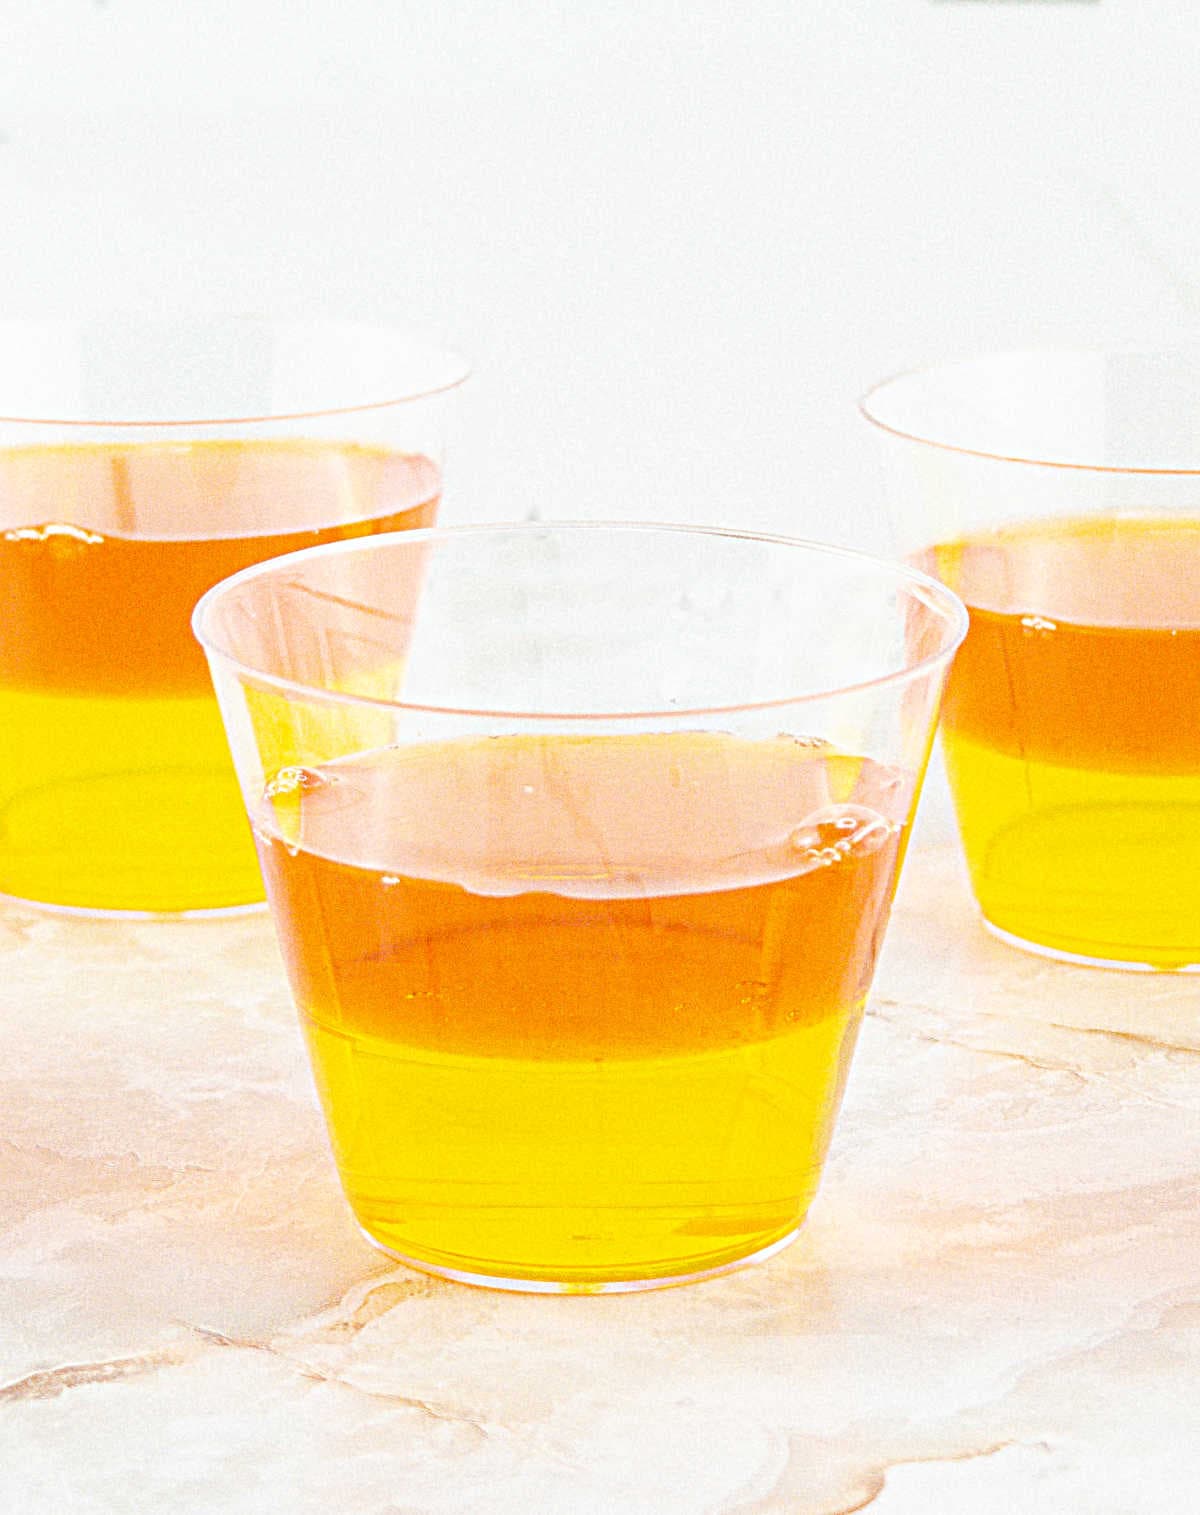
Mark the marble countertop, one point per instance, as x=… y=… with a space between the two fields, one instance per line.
x=994 y=1306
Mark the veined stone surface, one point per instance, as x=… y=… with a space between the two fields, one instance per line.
x=994 y=1306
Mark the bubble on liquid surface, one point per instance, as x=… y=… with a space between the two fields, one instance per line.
x=63 y=539
x=810 y=743
x=837 y=832
x=296 y=781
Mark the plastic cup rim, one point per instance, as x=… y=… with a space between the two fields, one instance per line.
x=925 y=370
x=942 y=600
x=456 y=372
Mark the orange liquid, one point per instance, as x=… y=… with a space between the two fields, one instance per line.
x=116 y=789
x=1071 y=729
x=580 y=1009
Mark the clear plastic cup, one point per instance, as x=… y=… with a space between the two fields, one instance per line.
x=580 y=842
x=1059 y=494
x=141 y=462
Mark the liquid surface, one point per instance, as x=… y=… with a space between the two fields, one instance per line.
x=1071 y=729
x=116 y=788
x=580 y=1010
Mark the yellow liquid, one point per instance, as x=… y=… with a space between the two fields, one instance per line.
x=1084 y=861
x=565 y=1035
x=585 y=1168
x=121 y=804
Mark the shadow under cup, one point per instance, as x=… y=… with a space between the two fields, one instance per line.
x=1059 y=494
x=116 y=790
x=580 y=842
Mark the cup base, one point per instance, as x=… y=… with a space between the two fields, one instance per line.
x=583 y=1285
x=1083 y=960
x=98 y=913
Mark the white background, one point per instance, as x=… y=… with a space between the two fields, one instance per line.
x=676 y=239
